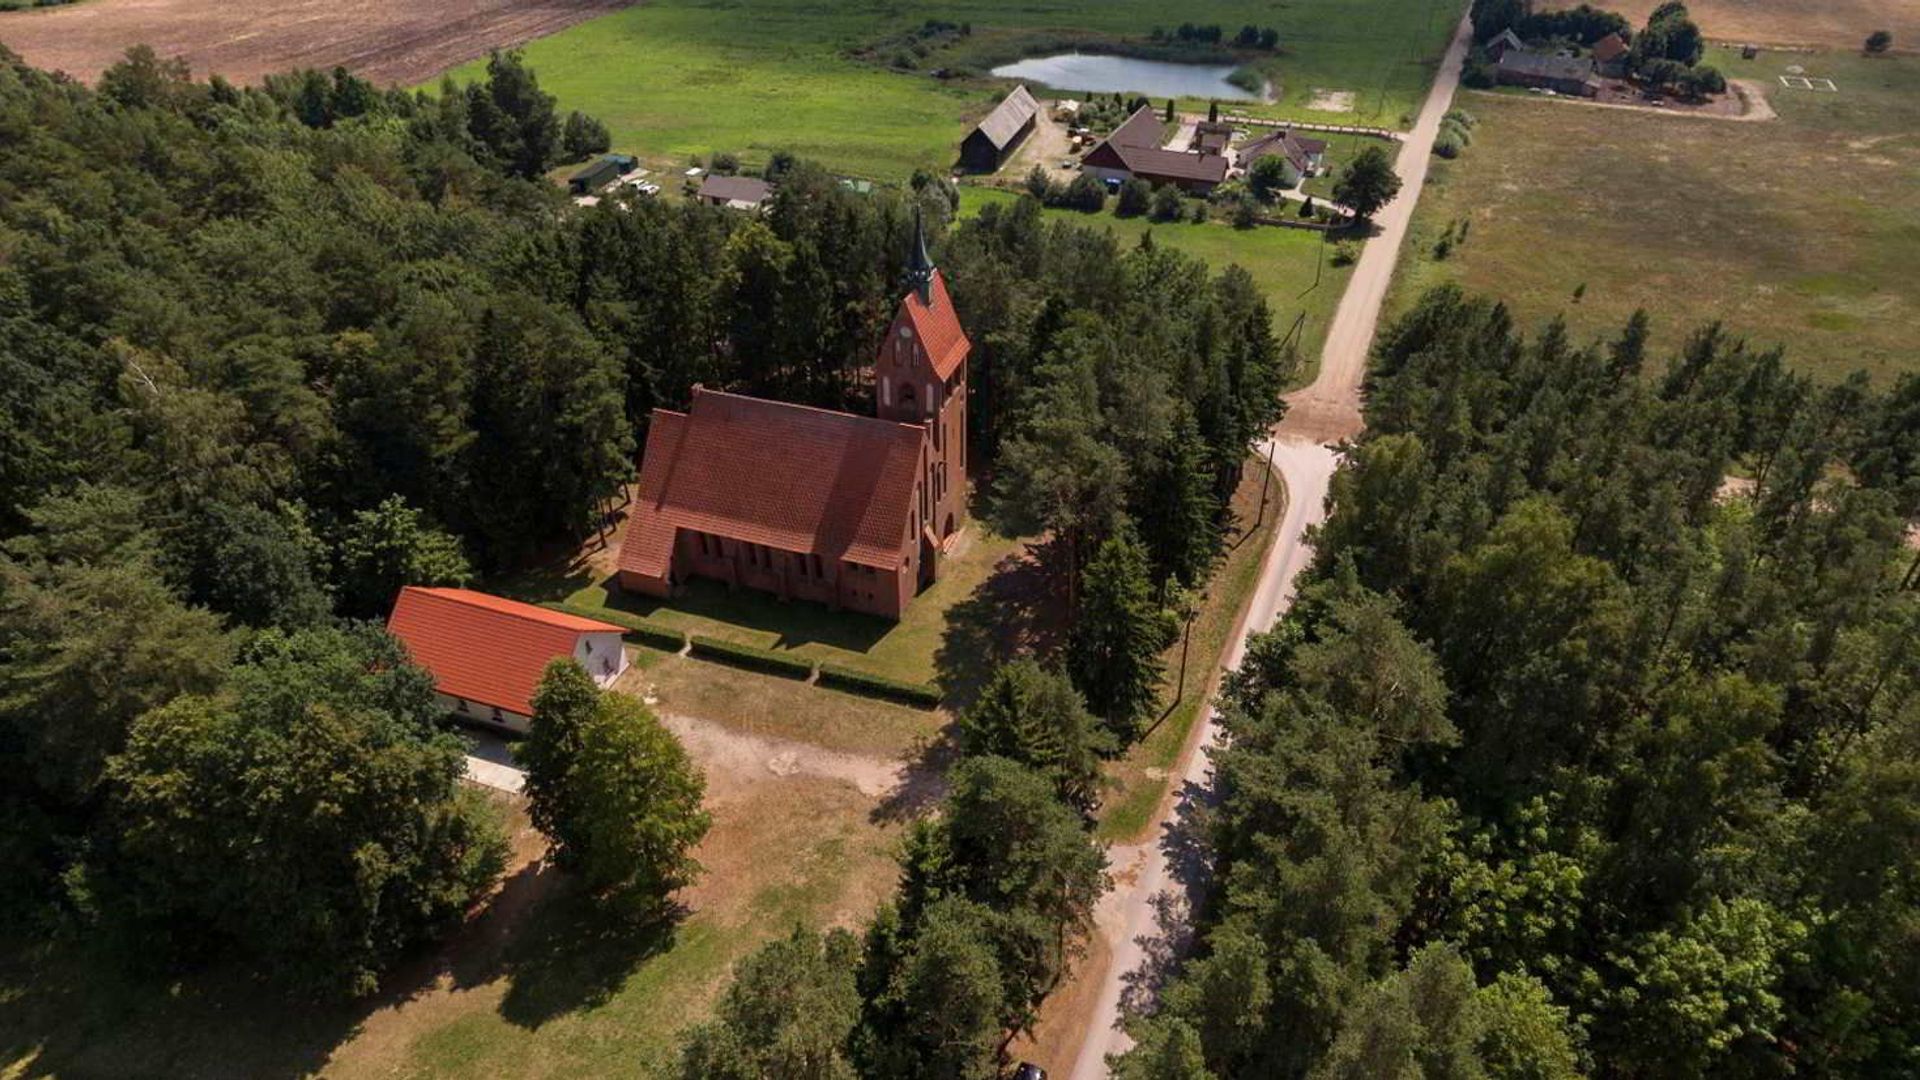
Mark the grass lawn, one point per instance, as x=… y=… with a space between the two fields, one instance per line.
x=1140 y=779
x=769 y=705
x=537 y=986
x=686 y=77
x=1283 y=262
x=902 y=650
x=1798 y=232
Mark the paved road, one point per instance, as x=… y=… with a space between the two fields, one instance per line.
x=1319 y=416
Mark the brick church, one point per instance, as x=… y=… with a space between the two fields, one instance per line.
x=851 y=511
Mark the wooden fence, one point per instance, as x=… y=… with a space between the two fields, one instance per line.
x=1298 y=125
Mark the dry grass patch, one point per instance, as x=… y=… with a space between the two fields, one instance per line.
x=1835 y=23
x=1797 y=232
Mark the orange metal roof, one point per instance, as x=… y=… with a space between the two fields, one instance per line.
x=484 y=648
x=766 y=472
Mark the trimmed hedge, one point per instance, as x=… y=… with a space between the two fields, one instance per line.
x=753 y=659
x=640 y=630
x=924 y=695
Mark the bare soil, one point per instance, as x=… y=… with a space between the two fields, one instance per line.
x=388 y=41
x=1834 y=23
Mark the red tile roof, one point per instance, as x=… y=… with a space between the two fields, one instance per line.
x=484 y=648
x=938 y=328
x=1609 y=48
x=787 y=476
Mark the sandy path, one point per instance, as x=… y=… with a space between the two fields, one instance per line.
x=387 y=41
x=1144 y=911
x=735 y=761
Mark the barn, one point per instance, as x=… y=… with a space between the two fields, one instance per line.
x=987 y=146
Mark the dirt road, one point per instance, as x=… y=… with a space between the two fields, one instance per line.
x=1149 y=880
x=388 y=41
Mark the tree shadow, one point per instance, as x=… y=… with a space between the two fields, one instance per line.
x=923 y=783
x=1188 y=850
x=576 y=953
x=74 y=1009
x=1020 y=608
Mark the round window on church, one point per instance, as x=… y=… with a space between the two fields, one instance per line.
x=906 y=333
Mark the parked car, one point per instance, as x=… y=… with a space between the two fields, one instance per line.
x=1029 y=1071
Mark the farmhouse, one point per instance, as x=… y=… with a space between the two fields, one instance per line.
x=1503 y=42
x=734 y=192
x=486 y=654
x=1610 y=55
x=1302 y=156
x=986 y=147
x=1571 y=75
x=1133 y=149
x=811 y=504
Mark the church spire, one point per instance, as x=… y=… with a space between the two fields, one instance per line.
x=920 y=264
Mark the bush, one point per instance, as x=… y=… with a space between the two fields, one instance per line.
x=652 y=634
x=1447 y=146
x=1201 y=212
x=751 y=658
x=1136 y=195
x=1085 y=193
x=726 y=164
x=583 y=136
x=1166 y=203
x=1460 y=116
x=1246 y=213
x=1346 y=253
x=1879 y=41
x=864 y=683
x=1041 y=186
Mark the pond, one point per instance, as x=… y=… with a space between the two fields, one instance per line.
x=1154 y=78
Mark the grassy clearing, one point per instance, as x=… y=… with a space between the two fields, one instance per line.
x=1283 y=262
x=1797 y=232
x=782 y=708
x=685 y=77
x=1140 y=778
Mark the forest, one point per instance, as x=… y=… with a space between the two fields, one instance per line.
x=267 y=354
x=1576 y=757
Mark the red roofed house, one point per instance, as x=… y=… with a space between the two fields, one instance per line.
x=850 y=511
x=486 y=654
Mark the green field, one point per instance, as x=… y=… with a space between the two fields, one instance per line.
x=1799 y=232
x=674 y=78
x=1283 y=262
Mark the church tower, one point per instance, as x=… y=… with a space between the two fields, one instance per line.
x=920 y=377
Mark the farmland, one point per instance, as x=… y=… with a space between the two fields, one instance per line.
x=1798 y=231
x=677 y=78
x=401 y=42
x=1840 y=24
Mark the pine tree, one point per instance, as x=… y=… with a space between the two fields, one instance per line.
x=1114 y=656
x=1175 y=505
x=1035 y=717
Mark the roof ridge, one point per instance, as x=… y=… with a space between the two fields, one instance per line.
x=447 y=593
x=900 y=424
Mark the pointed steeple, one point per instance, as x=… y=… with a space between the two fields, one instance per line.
x=920 y=264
